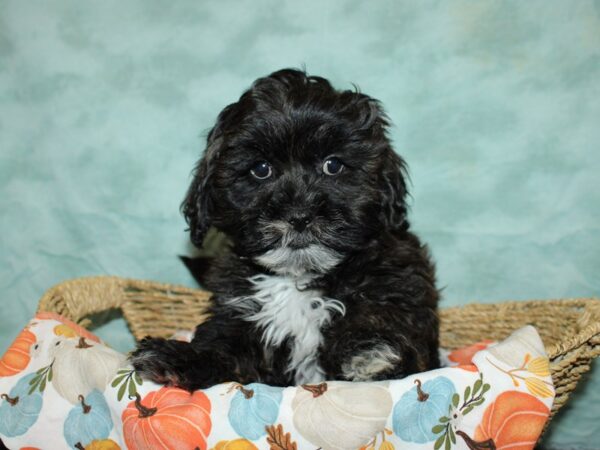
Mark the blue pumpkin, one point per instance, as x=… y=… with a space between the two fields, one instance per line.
x=19 y=410
x=419 y=409
x=88 y=421
x=252 y=408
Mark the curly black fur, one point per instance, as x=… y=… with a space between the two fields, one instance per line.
x=357 y=246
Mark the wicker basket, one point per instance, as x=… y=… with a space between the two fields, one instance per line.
x=570 y=329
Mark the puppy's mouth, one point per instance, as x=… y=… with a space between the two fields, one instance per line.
x=294 y=252
x=279 y=234
x=296 y=241
x=312 y=259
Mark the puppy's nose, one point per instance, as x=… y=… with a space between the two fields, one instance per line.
x=299 y=221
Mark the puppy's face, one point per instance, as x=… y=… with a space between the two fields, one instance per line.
x=298 y=175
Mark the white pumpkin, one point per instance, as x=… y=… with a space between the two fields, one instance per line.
x=512 y=350
x=81 y=366
x=341 y=415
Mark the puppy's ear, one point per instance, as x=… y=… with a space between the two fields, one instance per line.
x=371 y=117
x=197 y=207
x=393 y=188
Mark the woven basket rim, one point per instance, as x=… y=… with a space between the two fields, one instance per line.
x=590 y=305
x=117 y=290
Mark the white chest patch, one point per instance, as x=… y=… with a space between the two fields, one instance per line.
x=286 y=310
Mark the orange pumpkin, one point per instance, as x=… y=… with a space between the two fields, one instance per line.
x=17 y=356
x=464 y=356
x=169 y=418
x=514 y=421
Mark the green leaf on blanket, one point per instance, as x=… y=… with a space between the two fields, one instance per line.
x=128 y=380
x=39 y=381
x=123 y=372
x=473 y=396
x=118 y=380
x=455 y=400
x=439 y=442
x=34 y=384
x=132 y=389
x=452 y=436
x=477 y=386
x=437 y=429
x=121 y=392
x=478 y=402
x=467 y=392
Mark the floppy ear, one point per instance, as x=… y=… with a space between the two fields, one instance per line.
x=392 y=185
x=393 y=188
x=197 y=207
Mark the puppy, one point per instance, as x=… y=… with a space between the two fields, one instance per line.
x=323 y=280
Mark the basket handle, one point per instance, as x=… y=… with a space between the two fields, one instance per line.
x=78 y=298
x=588 y=335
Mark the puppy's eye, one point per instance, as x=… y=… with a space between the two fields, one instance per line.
x=261 y=170
x=332 y=166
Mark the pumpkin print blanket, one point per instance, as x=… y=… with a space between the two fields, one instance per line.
x=62 y=388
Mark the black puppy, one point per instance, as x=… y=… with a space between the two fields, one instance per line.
x=324 y=279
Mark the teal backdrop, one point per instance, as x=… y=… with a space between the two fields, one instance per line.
x=104 y=107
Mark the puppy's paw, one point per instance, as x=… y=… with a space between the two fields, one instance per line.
x=158 y=360
x=374 y=363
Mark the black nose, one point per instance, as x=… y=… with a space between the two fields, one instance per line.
x=299 y=221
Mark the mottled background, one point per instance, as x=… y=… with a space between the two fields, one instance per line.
x=104 y=107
